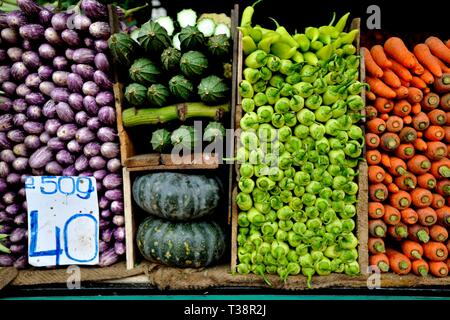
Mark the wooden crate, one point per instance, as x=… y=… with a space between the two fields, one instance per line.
x=361 y=218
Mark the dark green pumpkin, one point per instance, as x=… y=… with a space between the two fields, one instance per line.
x=158 y=95
x=123 y=48
x=144 y=71
x=177 y=196
x=191 y=39
x=181 y=87
x=170 y=59
x=193 y=64
x=153 y=38
x=181 y=244
x=219 y=46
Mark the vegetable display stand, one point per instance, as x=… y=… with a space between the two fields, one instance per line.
x=334 y=279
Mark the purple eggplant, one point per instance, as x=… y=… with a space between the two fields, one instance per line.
x=94 y=9
x=35 y=98
x=49 y=109
x=5 y=104
x=46 y=87
x=16 y=135
x=85 y=71
x=18 y=248
x=69 y=171
x=20 y=219
x=84 y=135
x=6 y=122
x=10 y=89
x=60 y=78
x=33 y=81
x=81 y=118
x=4 y=217
x=53 y=168
x=52 y=36
x=112 y=181
x=51 y=126
x=90 y=88
x=82 y=163
x=119 y=220
x=44 y=137
x=22 y=90
x=32 y=142
x=59 y=21
x=16 y=19
x=27 y=45
x=19 y=71
x=100 y=30
x=74 y=82
x=5 y=143
x=113 y=165
x=60 y=63
x=119 y=234
x=32 y=32
x=3 y=186
x=74 y=147
x=20 y=119
x=83 y=55
x=97 y=163
x=91 y=149
x=33 y=127
x=34 y=112
x=101 y=62
x=9 y=198
x=103 y=203
x=45 y=16
x=110 y=150
x=86 y=174
x=45 y=72
x=64 y=157
x=102 y=246
x=106 y=134
x=40 y=158
x=65 y=112
x=90 y=105
x=102 y=80
x=19 y=105
x=20 y=150
x=46 y=51
x=81 y=22
x=67 y=131
x=4 y=169
x=20 y=164
x=71 y=37
x=5 y=73
x=119 y=248
x=7 y=260
x=60 y=94
x=94 y=123
x=106 y=214
x=107 y=114
x=14 y=54
x=69 y=53
x=107 y=235
x=3 y=54
x=31 y=60
x=89 y=42
x=38 y=172
x=17 y=235
x=99 y=175
x=9 y=36
x=12 y=209
x=101 y=45
x=7 y=155
x=29 y=7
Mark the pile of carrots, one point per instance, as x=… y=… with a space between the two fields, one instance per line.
x=408 y=150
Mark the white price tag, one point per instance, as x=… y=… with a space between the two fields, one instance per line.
x=63 y=220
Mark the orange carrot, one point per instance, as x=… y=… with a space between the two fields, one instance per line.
x=405 y=84
x=408 y=134
x=418 y=83
x=379 y=260
x=419 y=134
x=392 y=188
x=388 y=179
x=406 y=182
x=448 y=118
x=402 y=108
x=444 y=68
x=438 y=233
x=398 y=232
x=418 y=233
x=379 y=56
x=418 y=69
x=414 y=95
x=438 y=201
x=371 y=112
x=437 y=117
x=389 y=141
x=376 y=210
x=427 y=59
x=419 y=164
x=416 y=108
x=386 y=161
x=420 y=267
x=400 y=200
x=372 y=140
x=438 y=268
x=421 y=197
x=376 y=125
x=441 y=169
x=398 y=262
x=384 y=116
x=371 y=65
x=391 y=79
x=407 y=119
x=430 y=101
x=409 y=216
x=412 y=250
x=447 y=133
x=445 y=102
x=370 y=96
x=405 y=151
x=376 y=245
x=420 y=144
x=373 y=157
x=401 y=72
x=421 y=121
x=376 y=174
x=436 y=150
x=398 y=167
x=435 y=251
x=427 y=77
x=443 y=187
x=402 y=92
x=377 y=228
x=396 y=48
x=394 y=124
x=438 y=48
x=378 y=192
x=391 y=215
x=443 y=216
x=380 y=88
x=426 y=181
x=383 y=105
x=427 y=216
x=434 y=133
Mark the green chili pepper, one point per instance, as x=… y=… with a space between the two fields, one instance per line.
x=306 y=117
x=246 y=185
x=247 y=14
x=311 y=58
x=249 y=140
x=273 y=95
x=256 y=59
x=282 y=105
x=285 y=35
x=302 y=41
x=332 y=252
x=248 y=105
x=286 y=196
x=285 y=213
x=296 y=103
x=244 y=201
x=312 y=33
x=266 y=133
x=264 y=114
x=355 y=102
x=246 y=170
x=278 y=120
x=283 y=50
x=328 y=215
x=324 y=53
x=303 y=89
x=246 y=89
x=301 y=131
x=244 y=231
x=298 y=57
x=277 y=81
x=274 y=64
x=342 y=22
x=287 y=184
x=248 y=45
x=352 y=268
x=348 y=225
x=338 y=109
x=294 y=78
x=265 y=72
x=260 y=86
x=314 y=102
x=290 y=119
x=268 y=40
x=293 y=144
x=334 y=227
x=286 y=90
x=285 y=225
x=256 y=156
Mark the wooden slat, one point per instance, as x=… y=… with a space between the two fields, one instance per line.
x=130 y=227
x=150 y=159
x=234 y=230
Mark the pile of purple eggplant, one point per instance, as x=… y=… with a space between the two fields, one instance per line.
x=57 y=117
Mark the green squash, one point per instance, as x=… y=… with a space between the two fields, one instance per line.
x=158 y=95
x=144 y=71
x=160 y=140
x=193 y=64
x=219 y=46
x=122 y=48
x=153 y=38
x=191 y=39
x=213 y=90
x=136 y=94
x=181 y=87
x=181 y=244
x=170 y=59
x=185 y=137
x=171 y=195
